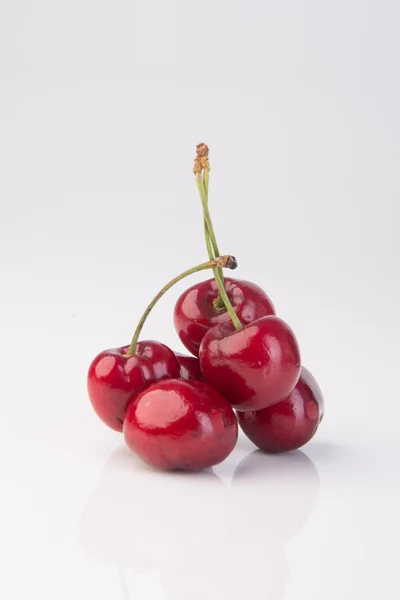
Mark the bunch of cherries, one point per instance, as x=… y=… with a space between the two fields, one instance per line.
x=178 y=411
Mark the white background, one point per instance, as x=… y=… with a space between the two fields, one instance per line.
x=101 y=106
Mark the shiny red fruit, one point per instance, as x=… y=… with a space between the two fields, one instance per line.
x=253 y=367
x=177 y=424
x=190 y=367
x=290 y=423
x=114 y=379
x=194 y=312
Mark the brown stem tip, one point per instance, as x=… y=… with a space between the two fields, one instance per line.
x=201 y=162
x=197 y=167
x=226 y=262
x=202 y=150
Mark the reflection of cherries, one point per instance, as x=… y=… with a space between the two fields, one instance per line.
x=190 y=367
x=290 y=423
x=284 y=489
x=252 y=367
x=143 y=520
x=186 y=525
x=195 y=312
x=114 y=378
x=177 y=424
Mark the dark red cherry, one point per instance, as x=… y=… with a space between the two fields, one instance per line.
x=177 y=424
x=253 y=367
x=190 y=367
x=195 y=313
x=290 y=423
x=114 y=378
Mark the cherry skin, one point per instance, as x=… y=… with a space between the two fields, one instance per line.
x=115 y=379
x=290 y=423
x=190 y=367
x=194 y=312
x=253 y=367
x=177 y=424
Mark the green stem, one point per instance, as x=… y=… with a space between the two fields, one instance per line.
x=207 y=217
x=223 y=261
x=209 y=234
x=222 y=301
x=222 y=292
x=210 y=249
x=206 y=179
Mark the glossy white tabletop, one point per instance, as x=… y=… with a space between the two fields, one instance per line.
x=83 y=517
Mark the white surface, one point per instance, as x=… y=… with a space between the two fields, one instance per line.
x=101 y=105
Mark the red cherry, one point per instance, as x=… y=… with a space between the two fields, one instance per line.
x=114 y=378
x=253 y=367
x=194 y=312
x=190 y=367
x=178 y=424
x=290 y=423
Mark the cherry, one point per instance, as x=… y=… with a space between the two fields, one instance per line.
x=117 y=375
x=252 y=367
x=177 y=424
x=115 y=378
x=290 y=423
x=196 y=312
x=190 y=367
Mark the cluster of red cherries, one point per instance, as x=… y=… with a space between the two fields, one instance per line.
x=178 y=411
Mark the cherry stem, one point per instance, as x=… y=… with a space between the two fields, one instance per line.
x=206 y=178
x=211 y=241
x=218 y=302
x=221 y=262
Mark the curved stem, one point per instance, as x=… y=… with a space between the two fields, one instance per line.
x=207 y=217
x=222 y=261
x=209 y=234
x=210 y=250
x=223 y=300
x=206 y=179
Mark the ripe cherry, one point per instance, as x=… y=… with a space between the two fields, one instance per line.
x=177 y=424
x=195 y=312
x=290 y=423
x=190 y=367
x=114 y=378
x=252 y=367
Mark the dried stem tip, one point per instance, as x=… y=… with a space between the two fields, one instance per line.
x=204 y=163
x=202 y=150
x=226 y=262
x=201 y=161
x=197 y=167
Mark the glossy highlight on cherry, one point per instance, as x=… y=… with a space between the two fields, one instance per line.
x=290 y=423
x=195 y=312
x=253 y=367
x=179 y=424
x=115 y=378
x=190 y=367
